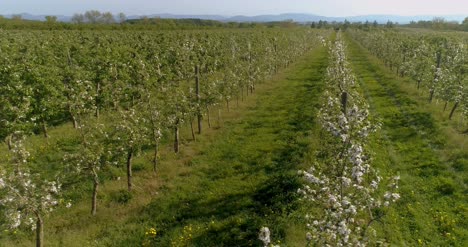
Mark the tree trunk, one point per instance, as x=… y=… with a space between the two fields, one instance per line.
x=453 y=110
x=44 y=129
x=95 y=193
x=73 y=118
x=419 y=83
x=199 y=123
x=219 y=117
x=39 y=231
x=208 y=116
x=227 y=105
x=403 y=72
x=242 y=94
x=191 y=128
x=98 y=90
x=445 y=105
x=197 y=91
x=129 y=169
x=155 y=157
x=75 y=123
x=97 y=112
x=344 y=101
x=176 y=139
x=431 y=95
x=9 y=141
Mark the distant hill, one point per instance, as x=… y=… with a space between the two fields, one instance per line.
x=269 y=18
x=172 y=16
x=315 y=18
x=297 y=17
x=403 y=19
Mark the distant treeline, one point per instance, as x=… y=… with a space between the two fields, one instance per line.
x=346 y=24
x=95 y=20
x=441 y=24
x=436 y=24
x=197 y=23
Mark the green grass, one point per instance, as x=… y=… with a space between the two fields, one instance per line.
x=419 y=143
x=218 y=191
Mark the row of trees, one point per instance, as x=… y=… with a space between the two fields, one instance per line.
x=95 y=17
x=439 y=23
x=90 y=16
x=108 y=22
x=123 y=92
x=343 y=186
x=347 y=24
x=436 y=62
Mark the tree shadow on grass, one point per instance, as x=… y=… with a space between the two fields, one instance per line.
x=240 y=214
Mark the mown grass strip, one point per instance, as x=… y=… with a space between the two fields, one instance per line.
x=433 y=208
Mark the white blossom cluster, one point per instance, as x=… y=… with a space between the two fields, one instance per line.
x=131 y=132
x=81 y=97
x=15 y=114
x=25 y=196
x=344 y=184
x=264 y=236
x=91 y=156
x=322 y=40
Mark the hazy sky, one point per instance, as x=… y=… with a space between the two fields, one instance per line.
x=240 y=7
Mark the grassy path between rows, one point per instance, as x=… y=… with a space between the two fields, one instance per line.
x=247 y=177
x=432 y=161
x=218 y=191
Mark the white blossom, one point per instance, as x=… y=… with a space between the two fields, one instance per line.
x=264 y=236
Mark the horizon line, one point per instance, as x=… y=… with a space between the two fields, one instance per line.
x=229 y=16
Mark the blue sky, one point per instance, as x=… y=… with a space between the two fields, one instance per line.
x=240 y=7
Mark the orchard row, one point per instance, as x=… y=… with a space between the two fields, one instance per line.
x=437 y=62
